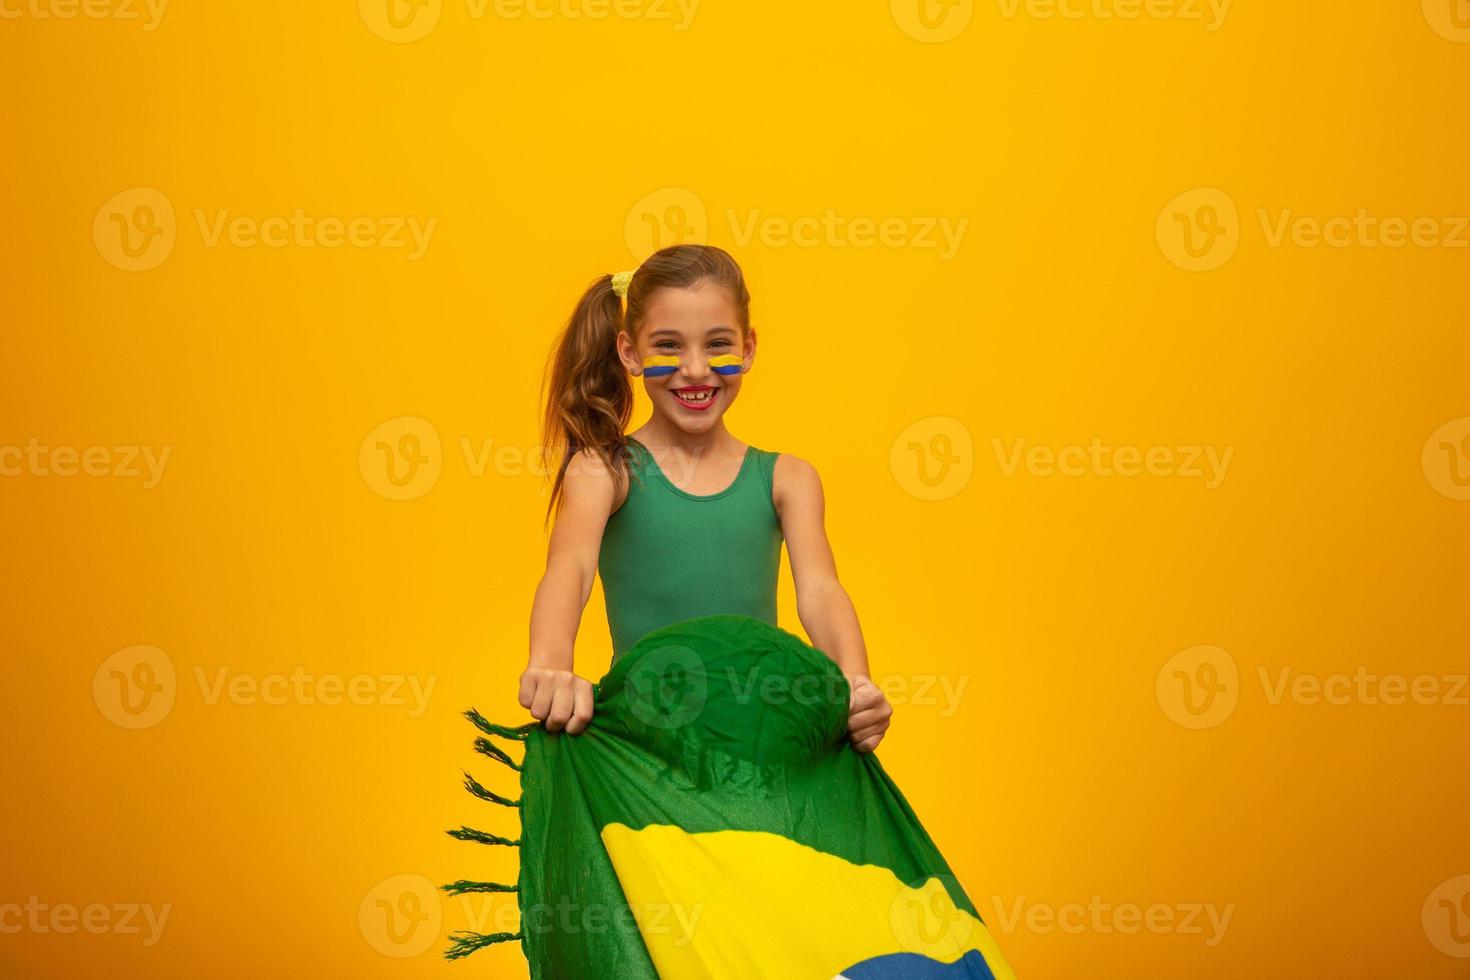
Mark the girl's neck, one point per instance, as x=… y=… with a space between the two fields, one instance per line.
x=699 y=445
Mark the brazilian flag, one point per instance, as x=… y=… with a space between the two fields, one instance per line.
x=714 y=822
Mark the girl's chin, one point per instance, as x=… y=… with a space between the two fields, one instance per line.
x=692 y=421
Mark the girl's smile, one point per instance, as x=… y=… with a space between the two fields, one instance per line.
x=696 y=398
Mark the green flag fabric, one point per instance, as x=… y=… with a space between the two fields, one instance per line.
x=713 y=821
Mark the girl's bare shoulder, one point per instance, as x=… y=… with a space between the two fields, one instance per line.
x=590 y=480
x=794 y=478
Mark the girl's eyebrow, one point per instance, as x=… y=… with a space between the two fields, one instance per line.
x=722 y=328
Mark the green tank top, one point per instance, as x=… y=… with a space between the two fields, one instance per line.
x=668 y=555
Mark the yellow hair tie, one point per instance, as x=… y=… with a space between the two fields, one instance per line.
x=620 y=282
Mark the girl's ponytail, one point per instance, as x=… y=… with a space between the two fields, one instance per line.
x=589 y=398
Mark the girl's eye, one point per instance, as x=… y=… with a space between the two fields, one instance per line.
x=665 y=345
x=720 y=343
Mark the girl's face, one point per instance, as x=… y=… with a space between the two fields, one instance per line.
x=686 y=329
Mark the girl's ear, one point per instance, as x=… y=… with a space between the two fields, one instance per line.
x=628 y=354
x=748 y=348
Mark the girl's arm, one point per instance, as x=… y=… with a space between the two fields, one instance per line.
x=822 y=604
x=548 y=688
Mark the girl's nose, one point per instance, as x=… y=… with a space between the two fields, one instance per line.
x=696 y=368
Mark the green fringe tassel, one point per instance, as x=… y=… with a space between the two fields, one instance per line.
x=514 y=734
x=463 y=887
x=486 y=747
x=473 y=785
x=466 y=943
x=480 y=837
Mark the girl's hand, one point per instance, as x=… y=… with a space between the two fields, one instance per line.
x=868 y=714
x=558 y=697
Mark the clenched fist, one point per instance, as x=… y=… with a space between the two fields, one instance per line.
x=558 y=697
x=868 y=714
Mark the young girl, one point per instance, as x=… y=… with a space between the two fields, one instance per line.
x=680 y=517
x=764 y=825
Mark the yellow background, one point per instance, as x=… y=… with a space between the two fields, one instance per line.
x=548 y=150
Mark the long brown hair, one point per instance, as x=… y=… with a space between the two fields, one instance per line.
x=588 y=395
